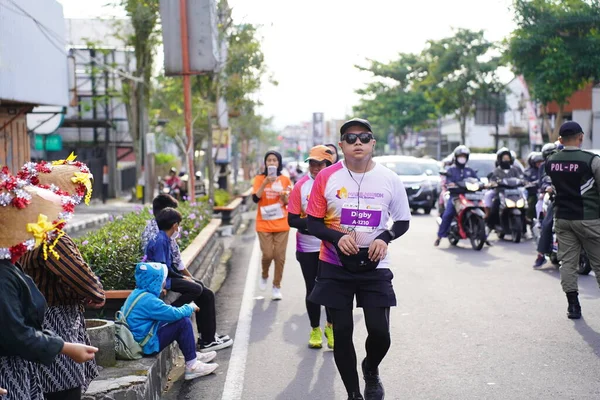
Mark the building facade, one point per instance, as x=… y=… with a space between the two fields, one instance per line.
x=33 y=71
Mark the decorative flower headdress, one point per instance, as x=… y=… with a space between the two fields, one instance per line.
x=30 y=216
x=63 y=177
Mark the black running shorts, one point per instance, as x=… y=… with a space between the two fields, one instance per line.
x=336 y=287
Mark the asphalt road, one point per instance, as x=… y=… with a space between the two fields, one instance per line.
x=469 y=325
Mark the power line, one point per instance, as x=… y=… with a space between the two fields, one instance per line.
x=47 y=32
x=52 y=37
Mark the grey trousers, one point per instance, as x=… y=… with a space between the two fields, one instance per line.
x=572 y=235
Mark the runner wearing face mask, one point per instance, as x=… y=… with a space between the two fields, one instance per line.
x=455 y=173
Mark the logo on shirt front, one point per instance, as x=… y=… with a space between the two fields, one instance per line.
x=342 y=193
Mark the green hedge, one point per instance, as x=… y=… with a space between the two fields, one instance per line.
x=222 y=198
x=114 y=250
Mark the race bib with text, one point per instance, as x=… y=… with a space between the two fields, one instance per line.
x=272 y=212
x=365 y=219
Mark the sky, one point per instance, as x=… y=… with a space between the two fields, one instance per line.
x=311 y=47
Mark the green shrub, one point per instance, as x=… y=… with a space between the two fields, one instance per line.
x=487 y=150
x=114 y=250
x=165 y=158
x=222 y=198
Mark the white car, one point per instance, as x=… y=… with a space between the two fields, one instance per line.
x=419 y=187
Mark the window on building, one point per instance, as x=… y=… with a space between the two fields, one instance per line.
x=485 y=113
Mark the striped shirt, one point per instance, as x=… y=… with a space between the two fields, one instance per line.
x=66 y=281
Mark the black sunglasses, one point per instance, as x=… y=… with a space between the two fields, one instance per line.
x=351 y=138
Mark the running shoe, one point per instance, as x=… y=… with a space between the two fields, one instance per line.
x=373 y=387
x=316 y=339
x=262 y=284
x=539 y=261
x=329 y=335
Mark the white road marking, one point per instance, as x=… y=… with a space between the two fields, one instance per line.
x=234 y=383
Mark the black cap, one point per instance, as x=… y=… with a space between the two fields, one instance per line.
x=356 y=121
x=570 y=128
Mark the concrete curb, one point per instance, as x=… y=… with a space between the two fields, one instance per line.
x=146 y=385
x=89 y=223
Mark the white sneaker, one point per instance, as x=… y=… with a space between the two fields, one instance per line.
x=206 y=357
x=276 y=294
x=199 y=369
x=262 y=284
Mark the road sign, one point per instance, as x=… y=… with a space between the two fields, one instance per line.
x=52 y=142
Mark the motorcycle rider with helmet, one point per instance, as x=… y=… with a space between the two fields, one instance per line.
x=545 y=185
x=532 y=176
x=457 y=172
x=505 y=168
x=447 y=163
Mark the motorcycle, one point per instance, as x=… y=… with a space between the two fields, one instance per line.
x=512 y=198
x=173 y=190
x=469 y=220
x=532 y=223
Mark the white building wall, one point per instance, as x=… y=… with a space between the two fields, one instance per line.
x=584 y=119
x=482 y=136
x=595 y=131
x=100 y=32
x=33 y=67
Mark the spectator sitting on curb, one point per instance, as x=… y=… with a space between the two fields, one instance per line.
x=160 y=249
x=166 y=324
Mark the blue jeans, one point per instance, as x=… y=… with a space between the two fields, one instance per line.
x=182 y=332
x=447 y=218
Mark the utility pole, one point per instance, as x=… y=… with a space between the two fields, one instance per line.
x=439 y=142
x=187 y=95
x=497 y=123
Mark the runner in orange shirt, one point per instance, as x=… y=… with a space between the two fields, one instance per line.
x=271 y=191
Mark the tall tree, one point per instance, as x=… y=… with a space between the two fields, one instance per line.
x=458 y=68
x=243 y=73
x=167 y=105
x=144 y=38
x=556 y=47
x=393 y=102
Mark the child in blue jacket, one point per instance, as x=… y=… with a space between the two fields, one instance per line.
x=164 y=323
x=159 y=250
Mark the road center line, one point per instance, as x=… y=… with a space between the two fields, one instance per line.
x=234 y=383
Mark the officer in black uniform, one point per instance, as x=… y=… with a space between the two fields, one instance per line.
x=575 y=176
